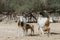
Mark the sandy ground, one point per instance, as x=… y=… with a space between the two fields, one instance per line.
x=11 y=31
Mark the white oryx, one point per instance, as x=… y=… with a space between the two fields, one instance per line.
x=43 y=23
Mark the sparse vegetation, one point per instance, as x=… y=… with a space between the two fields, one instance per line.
x=15 y=7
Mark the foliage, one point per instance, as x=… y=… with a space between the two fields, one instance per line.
x=28 y=5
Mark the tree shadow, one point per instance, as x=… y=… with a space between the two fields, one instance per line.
x=54 y=33
x=33 y=35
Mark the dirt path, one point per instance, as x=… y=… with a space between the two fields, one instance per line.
x=10 y=32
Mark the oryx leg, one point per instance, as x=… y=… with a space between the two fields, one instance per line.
x=41 y=29
x=48 y=31
x=32 y=30
x=26 y=31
